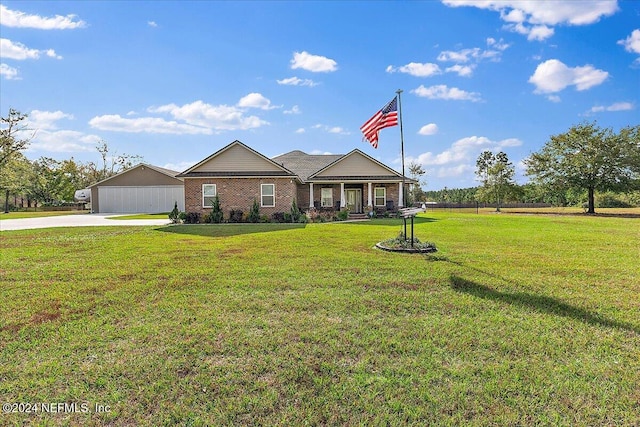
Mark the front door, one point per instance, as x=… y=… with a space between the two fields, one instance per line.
x=354 y=200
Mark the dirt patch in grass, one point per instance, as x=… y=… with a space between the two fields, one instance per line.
x=47 y=315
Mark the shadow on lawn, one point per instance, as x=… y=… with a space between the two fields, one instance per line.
x=541 y=304
x=224 y=230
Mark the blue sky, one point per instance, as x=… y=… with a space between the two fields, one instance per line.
x=176 y=81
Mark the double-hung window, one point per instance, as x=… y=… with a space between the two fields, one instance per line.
x=267 y=195
x=326 y=197
x=208 y=195
x=380 y=196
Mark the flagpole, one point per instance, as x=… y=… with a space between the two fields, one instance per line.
x=398 y=92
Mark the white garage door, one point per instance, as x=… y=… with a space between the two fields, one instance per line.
x=149 y=199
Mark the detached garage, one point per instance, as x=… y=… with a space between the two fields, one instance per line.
x=141 y=189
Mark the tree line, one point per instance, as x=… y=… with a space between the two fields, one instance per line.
x=567 y=171
x=47 y=181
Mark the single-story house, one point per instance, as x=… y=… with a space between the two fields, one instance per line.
x=143 y=188
x=238 y=175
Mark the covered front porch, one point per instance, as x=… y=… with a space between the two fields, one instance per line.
x=356 y=197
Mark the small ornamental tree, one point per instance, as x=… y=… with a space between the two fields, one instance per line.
x=295 y=212
x=174 y=214
x=254 y=213
x=216 y=214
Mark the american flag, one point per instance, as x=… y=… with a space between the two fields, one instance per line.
x=386 y=117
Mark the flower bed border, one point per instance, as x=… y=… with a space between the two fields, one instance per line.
x=407 y=250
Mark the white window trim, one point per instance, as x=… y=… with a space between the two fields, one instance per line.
x=330 y=205
x=215 y=193
x=262 y=195
x=375 y=198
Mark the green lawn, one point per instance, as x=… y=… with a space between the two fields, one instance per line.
x=38 y=214
x=516 y=320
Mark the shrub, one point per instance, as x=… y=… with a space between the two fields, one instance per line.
x=316 y=215
x=216 y=215
x=401 y=242
x=295 y=212
x=278 y=217
x=343 y=215
x=611 y=200
x=174 y=214
x=254 y=213
x=192 y=218
x=236 y=215
x=182 y=216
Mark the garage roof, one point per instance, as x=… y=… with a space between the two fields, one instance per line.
x=139 y=167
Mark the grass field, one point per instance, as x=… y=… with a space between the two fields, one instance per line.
x=38 y=214
x=516 y=320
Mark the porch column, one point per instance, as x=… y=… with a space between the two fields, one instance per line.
x=311 y=194
x=400 y=196
x=369 y=196
x=343 y=202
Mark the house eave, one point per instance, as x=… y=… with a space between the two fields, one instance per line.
x=360 y=179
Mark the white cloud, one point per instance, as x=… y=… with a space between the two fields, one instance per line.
x=295 y=81
x=256 y=100
x=196 y=118
x=63 y=141
x=632 y=43
x=475 y=55
x=539 y=32
x=460 y=157
x=338 y=130
x=46 y=120
x=11 y=50
x=313 y=63
x=47 y=136
x=300 y=130
x=554 y=98
x=8 y=72
x=152 y=24
x=416 y=69
x=616 y=106
x=462 y=70
x=320 y=152
x=454 y=171
x=447 y=93
x=17 y=19
x=329 y=129
x=553 y=76
x=536 y=18
x=116 y=123
x=497 y=44
x=430 y=129
x=210 y=117
x=294 y=110
x=16 y=50
x=466 y=55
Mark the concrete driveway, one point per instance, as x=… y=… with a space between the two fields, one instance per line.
x=88 y=220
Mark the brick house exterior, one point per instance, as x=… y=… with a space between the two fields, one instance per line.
x=239 y=194
x=238 y=175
